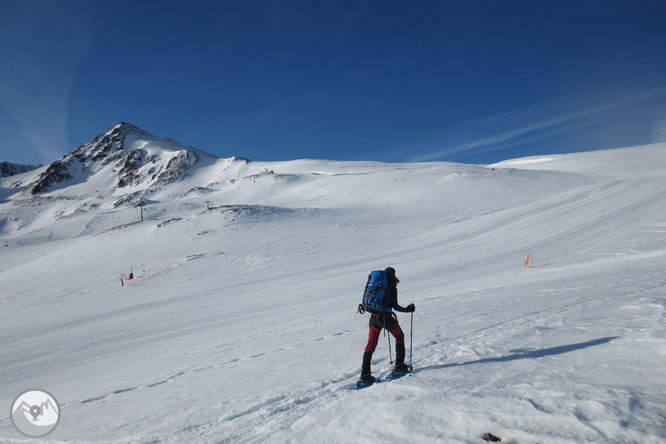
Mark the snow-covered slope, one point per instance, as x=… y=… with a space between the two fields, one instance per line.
x=241 y=325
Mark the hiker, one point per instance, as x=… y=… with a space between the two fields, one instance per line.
x=385 y=318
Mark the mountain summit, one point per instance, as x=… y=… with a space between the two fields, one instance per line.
x=129 y=155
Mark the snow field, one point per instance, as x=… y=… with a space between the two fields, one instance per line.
x=248 y=332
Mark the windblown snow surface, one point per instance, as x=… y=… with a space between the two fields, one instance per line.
x=241 y=324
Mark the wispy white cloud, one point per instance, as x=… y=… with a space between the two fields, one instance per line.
x=42 y=43
x=659 y=128
x=538 y=130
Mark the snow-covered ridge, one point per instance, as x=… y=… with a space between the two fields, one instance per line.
x=11 y=169
x=640 y=161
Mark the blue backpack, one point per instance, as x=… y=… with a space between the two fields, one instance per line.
x=374 y=296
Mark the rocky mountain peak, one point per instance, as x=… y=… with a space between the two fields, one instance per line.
x=133 y=155
x=127 y=128
x=110 y=145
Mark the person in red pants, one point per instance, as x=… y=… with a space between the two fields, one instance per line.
x=390 y=322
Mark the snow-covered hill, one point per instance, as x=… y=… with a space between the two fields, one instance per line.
x=10 y=169
x=241 y=324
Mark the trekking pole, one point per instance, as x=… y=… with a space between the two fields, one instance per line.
x=411 y=334
x=388 y=339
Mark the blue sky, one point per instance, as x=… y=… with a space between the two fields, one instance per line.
x=464 y=81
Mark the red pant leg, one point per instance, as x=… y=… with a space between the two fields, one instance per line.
x=397 y=334
x=373 y=338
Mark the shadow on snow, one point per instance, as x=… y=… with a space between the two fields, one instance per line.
x=525 y=354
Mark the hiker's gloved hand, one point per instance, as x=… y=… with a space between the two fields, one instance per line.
x=411 y=308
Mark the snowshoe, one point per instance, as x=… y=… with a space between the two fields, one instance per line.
x=366 y=380
x=399 y=371
x=400 y=368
